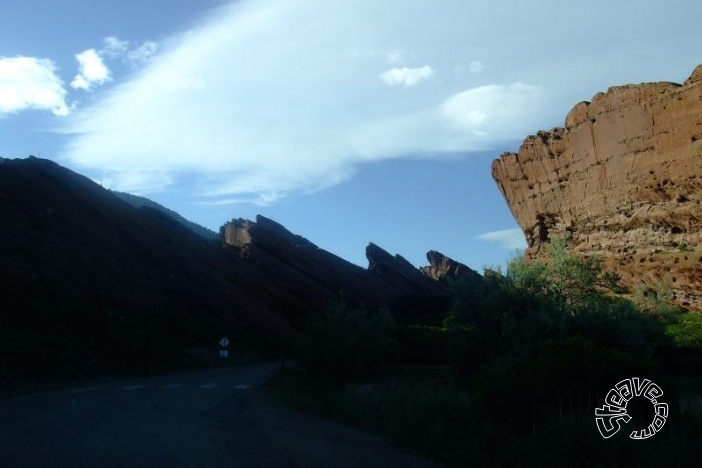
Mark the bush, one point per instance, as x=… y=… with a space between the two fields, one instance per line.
x=655 y=302
x=512 y=308
x=562 y=297
x=687 y=331
x=618 y=324
x=422 y=344
x=563 y=376
x=348 y=343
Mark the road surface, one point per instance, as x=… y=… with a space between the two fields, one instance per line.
x=211 y=418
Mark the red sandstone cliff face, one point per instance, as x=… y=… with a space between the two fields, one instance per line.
x=624 y=178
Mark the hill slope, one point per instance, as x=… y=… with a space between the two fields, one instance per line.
x=91 y=285
x=139 y=202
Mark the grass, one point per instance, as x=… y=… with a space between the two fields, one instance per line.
x=687 y=333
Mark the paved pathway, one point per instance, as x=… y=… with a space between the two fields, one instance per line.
x=212 y=418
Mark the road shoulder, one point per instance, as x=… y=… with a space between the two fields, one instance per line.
x=310 y=441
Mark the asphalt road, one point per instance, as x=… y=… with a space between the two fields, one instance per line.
x=212 y=418
x=188 y=419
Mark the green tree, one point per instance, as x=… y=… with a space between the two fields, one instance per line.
x=572 y=281
x=562 y=296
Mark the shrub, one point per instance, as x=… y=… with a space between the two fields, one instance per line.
x=422 y=344
x=618 y=324
x=565 y=375
x=655 y=302
x=348 y=343
x=562 y=297
x=512 y=308
x=687 y=331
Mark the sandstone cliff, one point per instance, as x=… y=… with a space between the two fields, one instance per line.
x=624 y=179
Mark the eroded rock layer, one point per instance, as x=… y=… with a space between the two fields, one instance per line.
x=623 y=179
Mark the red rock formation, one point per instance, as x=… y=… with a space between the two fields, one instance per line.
x=401 y=274
x=624 y=177
x=442 y=268
x=294 y=272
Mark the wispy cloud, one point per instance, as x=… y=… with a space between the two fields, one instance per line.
x=132 y=54
x=493 y=107
x=114 y=47
x=508 y=239
x=253 y=115
x=91 y=70
x=31 y=83
x=406 y=77
x=141 y=53
x=270 y=97
x=476 y=67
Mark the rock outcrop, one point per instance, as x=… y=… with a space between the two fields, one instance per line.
x=295 y=272
x=443 y=269
x=400 y=274
x=623 y=179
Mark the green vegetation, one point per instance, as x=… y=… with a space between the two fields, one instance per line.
x=513 y=371
x=687 y=331
x=348 y=342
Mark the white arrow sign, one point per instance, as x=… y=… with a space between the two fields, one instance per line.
x=224 y=342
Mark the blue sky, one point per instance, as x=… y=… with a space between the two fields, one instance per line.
x=347 y=121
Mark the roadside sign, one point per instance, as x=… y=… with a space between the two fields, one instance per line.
x=224 y=342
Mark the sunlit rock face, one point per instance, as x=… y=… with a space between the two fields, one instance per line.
x=623 y=179
x=444 y=269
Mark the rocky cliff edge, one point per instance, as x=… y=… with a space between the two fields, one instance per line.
x=623 y=179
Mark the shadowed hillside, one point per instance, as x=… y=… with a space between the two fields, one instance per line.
x=139 y=202
x=92 y=285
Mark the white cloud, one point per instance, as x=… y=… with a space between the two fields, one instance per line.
x=406 y=77
x=142 y=53
x=269 y=97
x=114 y=47
x=508 y=239
x=91 y=70
x=31 y=83
x=492 y=109
x=136 y=180
x=131 y=54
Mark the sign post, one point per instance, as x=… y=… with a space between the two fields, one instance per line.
x=224 y=352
